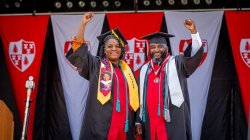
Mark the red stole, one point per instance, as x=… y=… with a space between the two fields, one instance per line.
x=116 y=130
x=157 y=123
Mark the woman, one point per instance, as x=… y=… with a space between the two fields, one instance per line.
x=109 y=113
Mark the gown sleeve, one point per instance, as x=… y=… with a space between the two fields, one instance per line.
x=83 y=60
x=188 y=62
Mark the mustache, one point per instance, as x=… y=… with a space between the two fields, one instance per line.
x=159 y=60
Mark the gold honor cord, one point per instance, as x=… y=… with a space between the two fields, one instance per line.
x=120 y=40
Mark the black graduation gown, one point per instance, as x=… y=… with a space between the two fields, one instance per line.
x=180 y=126
x=97 y=117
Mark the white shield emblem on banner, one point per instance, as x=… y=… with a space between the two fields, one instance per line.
x=184 y=44
x=22 y=54
x=245 y=51
x=135 y=53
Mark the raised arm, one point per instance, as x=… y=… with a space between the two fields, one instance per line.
x=196 y=40
x=85 y=19
x=79 y=56
x=193 y=54
x=78 y=40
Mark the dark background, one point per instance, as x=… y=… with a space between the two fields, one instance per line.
x=48 y=6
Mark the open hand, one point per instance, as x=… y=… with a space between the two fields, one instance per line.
x=190 y=25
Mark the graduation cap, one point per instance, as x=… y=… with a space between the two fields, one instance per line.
x=116 y=33
x=158 y=37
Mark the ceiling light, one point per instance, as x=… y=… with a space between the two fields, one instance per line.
x=197 y=2
x=184 y=2
x=105 y=3
x=158 y=2
x=58 y=5
x=69 y=4
x=209 y=2
x=171 y=2
x=81 y=4
x=146 y=2
x=93 y=4
x=17 y=4
x=118 y=3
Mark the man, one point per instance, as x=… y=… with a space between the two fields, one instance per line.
x=164 y=100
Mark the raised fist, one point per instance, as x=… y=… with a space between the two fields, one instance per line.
x=190 y=25
x=87 y=17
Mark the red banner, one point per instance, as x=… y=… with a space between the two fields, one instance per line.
x=23 y=39
x=133 y=26
x=239 y=32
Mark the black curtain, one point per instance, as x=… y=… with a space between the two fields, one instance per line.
x=51 y=118
x=224 y=116
x=6 y=94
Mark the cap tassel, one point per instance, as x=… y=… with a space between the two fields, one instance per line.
x=118 y=109
x=126 y=126
x=113 y=32
x=167 y=115
x=165 y=112
x=159 y=110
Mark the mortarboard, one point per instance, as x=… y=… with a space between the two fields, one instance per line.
x=115 y=32
x=158 y=37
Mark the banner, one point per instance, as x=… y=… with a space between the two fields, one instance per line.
x=23 y=39
x=75 y=87
x=239 y=33
x=133 y=27
x=208 y=25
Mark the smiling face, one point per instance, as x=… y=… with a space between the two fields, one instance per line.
x=106 y=77
x=158 y=51
x=112 y=50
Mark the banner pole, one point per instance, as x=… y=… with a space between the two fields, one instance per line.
x=29 y=86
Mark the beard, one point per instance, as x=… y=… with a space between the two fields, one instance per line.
x=159 y=60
